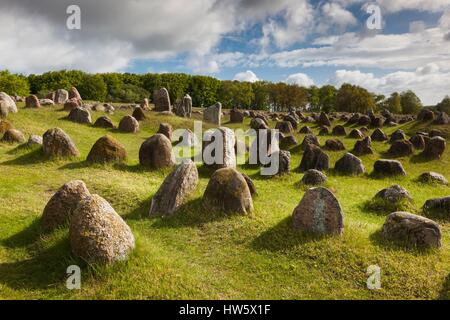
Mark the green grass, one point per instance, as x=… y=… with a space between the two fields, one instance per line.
x=205 y=255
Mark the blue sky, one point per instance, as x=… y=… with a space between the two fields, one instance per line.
x=297 y=41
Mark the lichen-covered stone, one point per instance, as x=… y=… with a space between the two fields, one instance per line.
x=319 y=212
x=56 y=143
x=314 y=158
x=13 y=136
x=80 y=115
x=98 y=235
x=156 y=152
x=175 y=190
x=349 y=164
x=384 y=167
x=129 y=124
x=314 y=178
x=107 y=149
x=213 y=114
x=104 y=122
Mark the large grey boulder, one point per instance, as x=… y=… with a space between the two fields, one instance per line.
x=175 y=190
x=314 y=158
x=319 y=212
x=98 y=235
x=349 y=164
x=434 y=148
x=61 y=96
x=129 y=124
x=80 y=115
x=62 y=205
x=412 y=230
x=161 y=99
x=439 y=207
x=56 y=143
x=156 y=152
x=218 y=148
x=227 y=191
x=10 y=105
x=384 y=167
x=213 y=114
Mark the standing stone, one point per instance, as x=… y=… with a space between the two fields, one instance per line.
x=310 y=139
x=314 y=178
x=433 y=177
x=166 y=129
x=425 y=115
x=74 y=94
x=62 y=205
x=319 y=212
x=104 y=122
x=293 y=119
x=356 y=134
x=438 y=207
x=435 y=148
x=175 y=190
x=394 y=195
x=379 y=135
x=98 y=234
x=129 y=124
x=418 y=141
x=162 y=100
x=398 y=136
x=213 y=114
x=323 y=120
x=314 y=158
x=288 y=142
x=363 y=147
x=349 y=165
x=401 y=148
x=80 y=115
x=334 y=145
x=61 y=96
x=13 y=136
x=388 y=168
x=339 y=131
x=284 y=127
x=412 y=229
x=107 y=149
x=56 y=143
x=9 y=102
x=145 y=104
x=32 y=102
x=139 y=114
x=184 y=108
x=236 y=116
x=156 y=152
x=224 y=140
x=71 y=104
x=227 y=191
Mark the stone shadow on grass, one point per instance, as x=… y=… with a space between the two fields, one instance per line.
x=34 y=157
x=25 y=237
x=75 y=165
x=140 y=212
x=283 y=236
x=377 y=239
x=47 y=269
x=191 y=214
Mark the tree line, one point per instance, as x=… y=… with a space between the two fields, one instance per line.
x=206 y=90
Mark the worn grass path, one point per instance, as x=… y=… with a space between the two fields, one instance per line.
x=206 y=255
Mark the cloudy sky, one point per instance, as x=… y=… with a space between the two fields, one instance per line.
x=297 y=41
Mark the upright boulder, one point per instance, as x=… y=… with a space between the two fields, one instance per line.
x=138 y=114
x=98 y=235
x=218 y=148
x=175 y=190
x=9 y=103
x=319 y=212
x=236 y=116
x=323 y=120
x=398 y=135
x=413 y=230
x=349 y=164
x=213 y=114
x=161 y=100
x=339 y=131
x=13 y=136
x=80 y=115
x=71 y=104
x=388 y=168
x=156 y=152
x=363 y=147
x=56 y=143
x=435 y=148
x=129 y=124
x=314 y=178
x=314 y=158
x=32 y=102
x=228 y=191
x=107 y=149
x=418 y=141
x=310 y=139
x=104 y=122
x=284 y=127
x=379 y=135
x=74 y=94
x=61 y=96
x=62 y=205
x=401 y=148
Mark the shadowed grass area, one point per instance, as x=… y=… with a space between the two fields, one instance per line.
x=209 y=255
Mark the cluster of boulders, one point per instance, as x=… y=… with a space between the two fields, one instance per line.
x=98 y=235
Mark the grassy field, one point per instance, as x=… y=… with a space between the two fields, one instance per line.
x=206 y=255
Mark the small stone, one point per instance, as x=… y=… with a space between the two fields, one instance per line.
x=433 y=177
x=129 y=124
x=314 y=178
x=379 y=135
x=388 y=168
x=107 y=149
x=13 y=136
x=334 y=145
x=349 y=164
x=104 y=122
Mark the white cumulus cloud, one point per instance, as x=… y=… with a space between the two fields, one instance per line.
x=247 y=76
x=300 y=79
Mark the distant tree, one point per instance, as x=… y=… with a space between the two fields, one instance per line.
x=128 y=93
x=13 y=84
x=204 y=90
x=411 y=103
x=261 y=96
x=93 y=87
x=236 y=94
x=327 y=97
x=353 y=98
x=394 y=103
x=314 y=98
x=444 y=105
